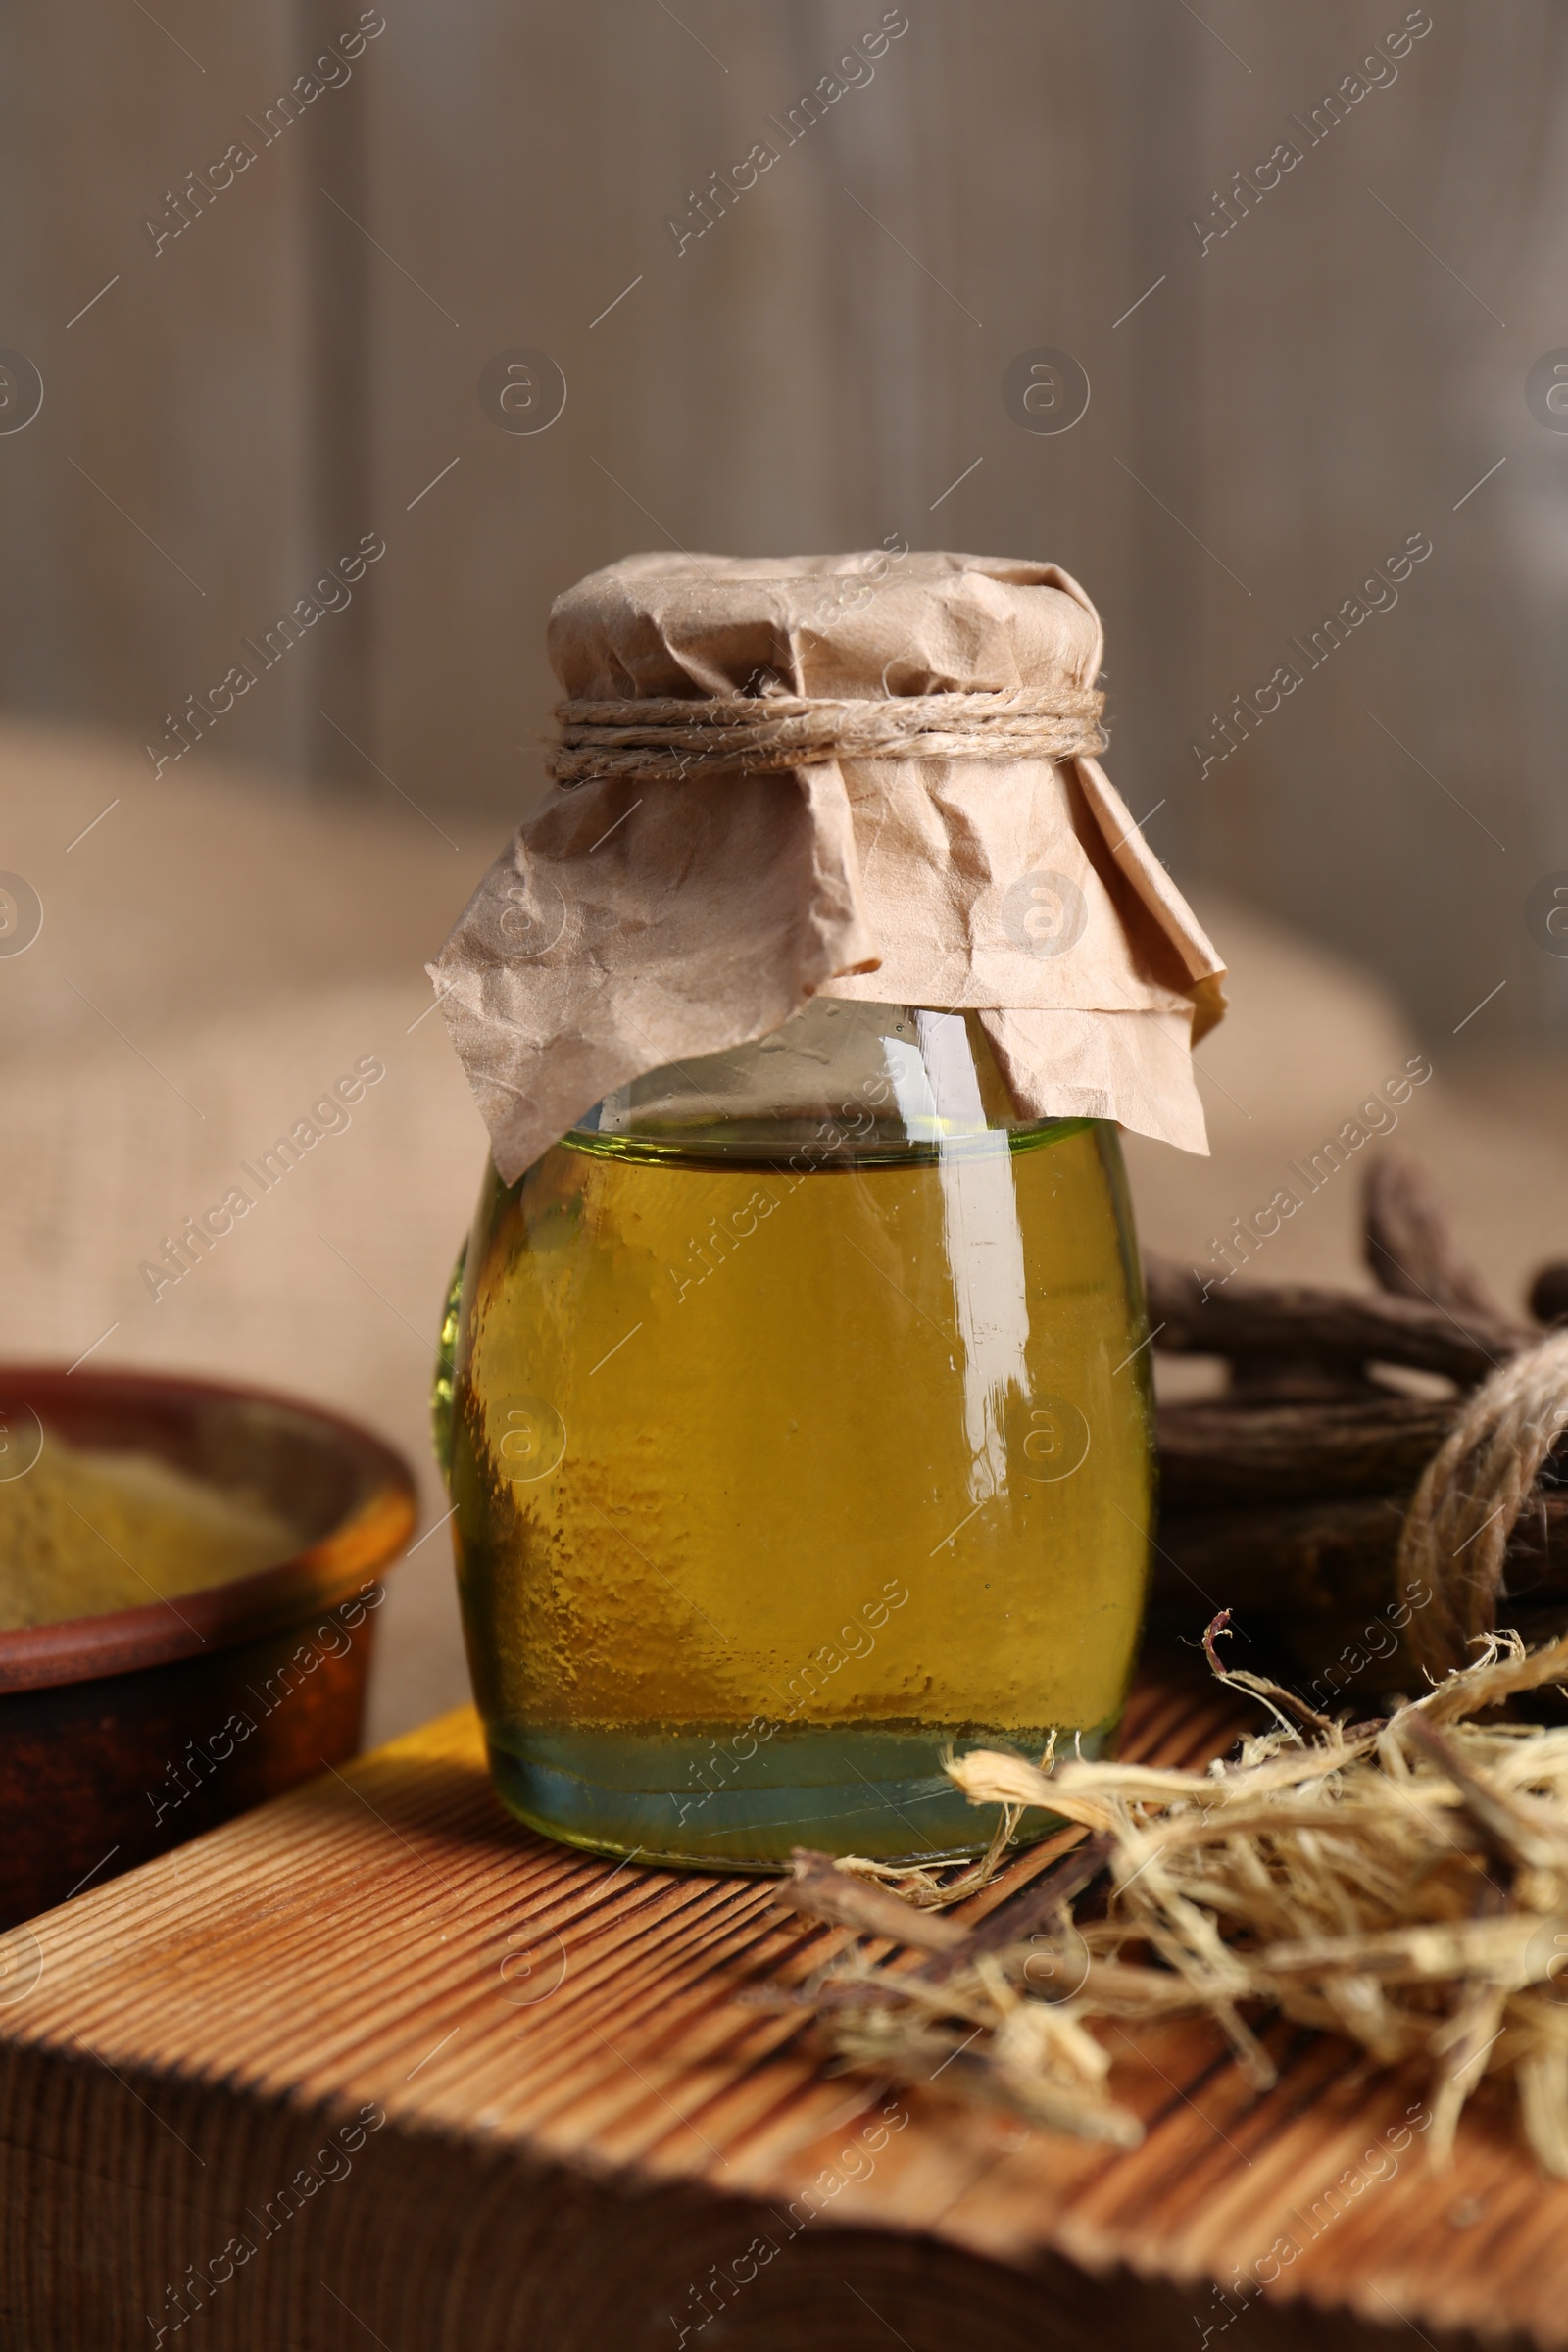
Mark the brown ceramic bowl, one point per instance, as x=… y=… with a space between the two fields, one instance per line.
x=123 y=1735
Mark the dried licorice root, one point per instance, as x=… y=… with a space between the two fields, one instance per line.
x=1401 y=1882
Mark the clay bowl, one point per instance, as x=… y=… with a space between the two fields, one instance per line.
x=121 y=1735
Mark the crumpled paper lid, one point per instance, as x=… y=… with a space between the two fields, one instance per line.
x=629 y=924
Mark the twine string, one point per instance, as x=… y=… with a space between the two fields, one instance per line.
x=667 y=738
x=1457 y=1527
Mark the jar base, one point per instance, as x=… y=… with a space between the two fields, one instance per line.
x=878 y=1793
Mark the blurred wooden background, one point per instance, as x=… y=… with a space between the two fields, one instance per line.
x=823 y=367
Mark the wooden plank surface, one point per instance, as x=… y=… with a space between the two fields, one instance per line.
x=376 y=2052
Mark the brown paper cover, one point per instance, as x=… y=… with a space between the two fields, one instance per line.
x=631 y=924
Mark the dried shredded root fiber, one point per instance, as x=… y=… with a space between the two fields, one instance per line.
x=1402 y=1882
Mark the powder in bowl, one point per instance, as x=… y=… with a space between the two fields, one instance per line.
x=84 y=1532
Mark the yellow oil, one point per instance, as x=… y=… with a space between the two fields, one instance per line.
x=775 y=1482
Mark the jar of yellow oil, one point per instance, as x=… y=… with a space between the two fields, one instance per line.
x=796 y=1414
x=794 y=1395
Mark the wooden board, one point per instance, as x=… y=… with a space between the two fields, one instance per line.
x=373 y=2064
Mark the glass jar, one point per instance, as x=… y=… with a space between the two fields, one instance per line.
x=795 y=1408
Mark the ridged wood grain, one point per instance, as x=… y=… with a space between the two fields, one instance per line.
x=576 y=2148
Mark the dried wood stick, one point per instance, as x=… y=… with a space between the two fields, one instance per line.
x=1503 y=1824
x=1312 y=1559
x=1034 y=1908
x=1410 y=1246
x=1302 y=1380
x=1223 y=1452
x=1286 y=1319
x=818 y=1887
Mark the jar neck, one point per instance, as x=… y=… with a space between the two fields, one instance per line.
x=844 y=1082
